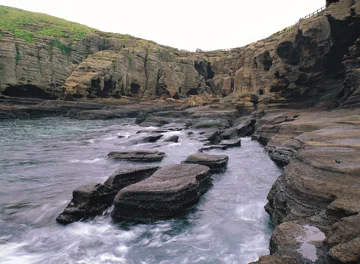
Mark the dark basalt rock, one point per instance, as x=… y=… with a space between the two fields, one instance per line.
x=88 y=201
x=214 y=162
x=150 y=139
x=212 y=136
x=169 y=192
x=137 y=155
x=246 y=128
x=173 y=138
x=127 y=176
x=93 y=199
x=281 y=155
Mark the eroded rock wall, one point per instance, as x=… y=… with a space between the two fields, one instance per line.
x=300 y=66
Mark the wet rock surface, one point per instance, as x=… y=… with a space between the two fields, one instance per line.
x=277 y=260
x=318 y=186
x=88 y=201
x=169 y=192
x=137 y=155
x=215 y=162
x=91 y=200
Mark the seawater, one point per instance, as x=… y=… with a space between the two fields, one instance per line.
x=43 y=160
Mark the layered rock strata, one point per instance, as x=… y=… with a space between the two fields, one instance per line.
x=93 y=199
x=137 y=155
x=169 y=192
x=215 y=162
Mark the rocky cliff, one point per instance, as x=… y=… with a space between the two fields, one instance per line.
x=300 y=66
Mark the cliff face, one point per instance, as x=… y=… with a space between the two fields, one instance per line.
x=300 y=66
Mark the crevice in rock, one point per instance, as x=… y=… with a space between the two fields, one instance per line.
x=27 y=91
x=134 y=88
x=287 y=52
x=267 y=61
x=204 y=69
x=146 y=72
x=109 y=86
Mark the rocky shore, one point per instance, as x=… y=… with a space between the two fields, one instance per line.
x=296 y=92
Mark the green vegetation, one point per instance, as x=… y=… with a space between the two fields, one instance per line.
x=164 y=54
x=65 y=49
x=18 y=57
x=26 y=25
x=1 y=34
x=24 y=34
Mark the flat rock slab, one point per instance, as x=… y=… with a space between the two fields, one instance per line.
x=210 y=147
x=230 y=143
x=214 y=162
x=127 y=176
x=93 y=199
x=138 y=155
x=169 y=192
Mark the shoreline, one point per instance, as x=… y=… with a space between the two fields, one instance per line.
x=324 y=144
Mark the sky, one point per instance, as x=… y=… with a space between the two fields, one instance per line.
x=186 y=24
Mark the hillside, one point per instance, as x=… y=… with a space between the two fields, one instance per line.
x=301 y=66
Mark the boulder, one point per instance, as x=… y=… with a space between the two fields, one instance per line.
x=173 y=138
x=229 y=133
x=246 y=128
x=169 y=192
x=230 y=143
x=137 y=155
x=88 y=201
x=93 y=199
x=150 y=139
x=212 y=136
x=214 y=162
x=281 y=155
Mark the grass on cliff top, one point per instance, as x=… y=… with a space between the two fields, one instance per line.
x=24 y=24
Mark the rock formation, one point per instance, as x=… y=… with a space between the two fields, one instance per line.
x=169 y=192
x=93 y=199
x=299 y=66
x=137 y=155
x=214 y=162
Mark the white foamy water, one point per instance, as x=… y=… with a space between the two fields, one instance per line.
x=39 y=173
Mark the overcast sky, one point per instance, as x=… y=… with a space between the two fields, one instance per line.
x=186 y=24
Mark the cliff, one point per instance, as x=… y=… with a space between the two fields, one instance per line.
x=300 y=66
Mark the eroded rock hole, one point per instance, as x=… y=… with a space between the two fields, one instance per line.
x=192 y=91
x=29 y=91
x=95 y=84
x=109 y=86
x=267 y=61
x=210 y=73
x=288 y=53
x=204 y=69
x=134 y=88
